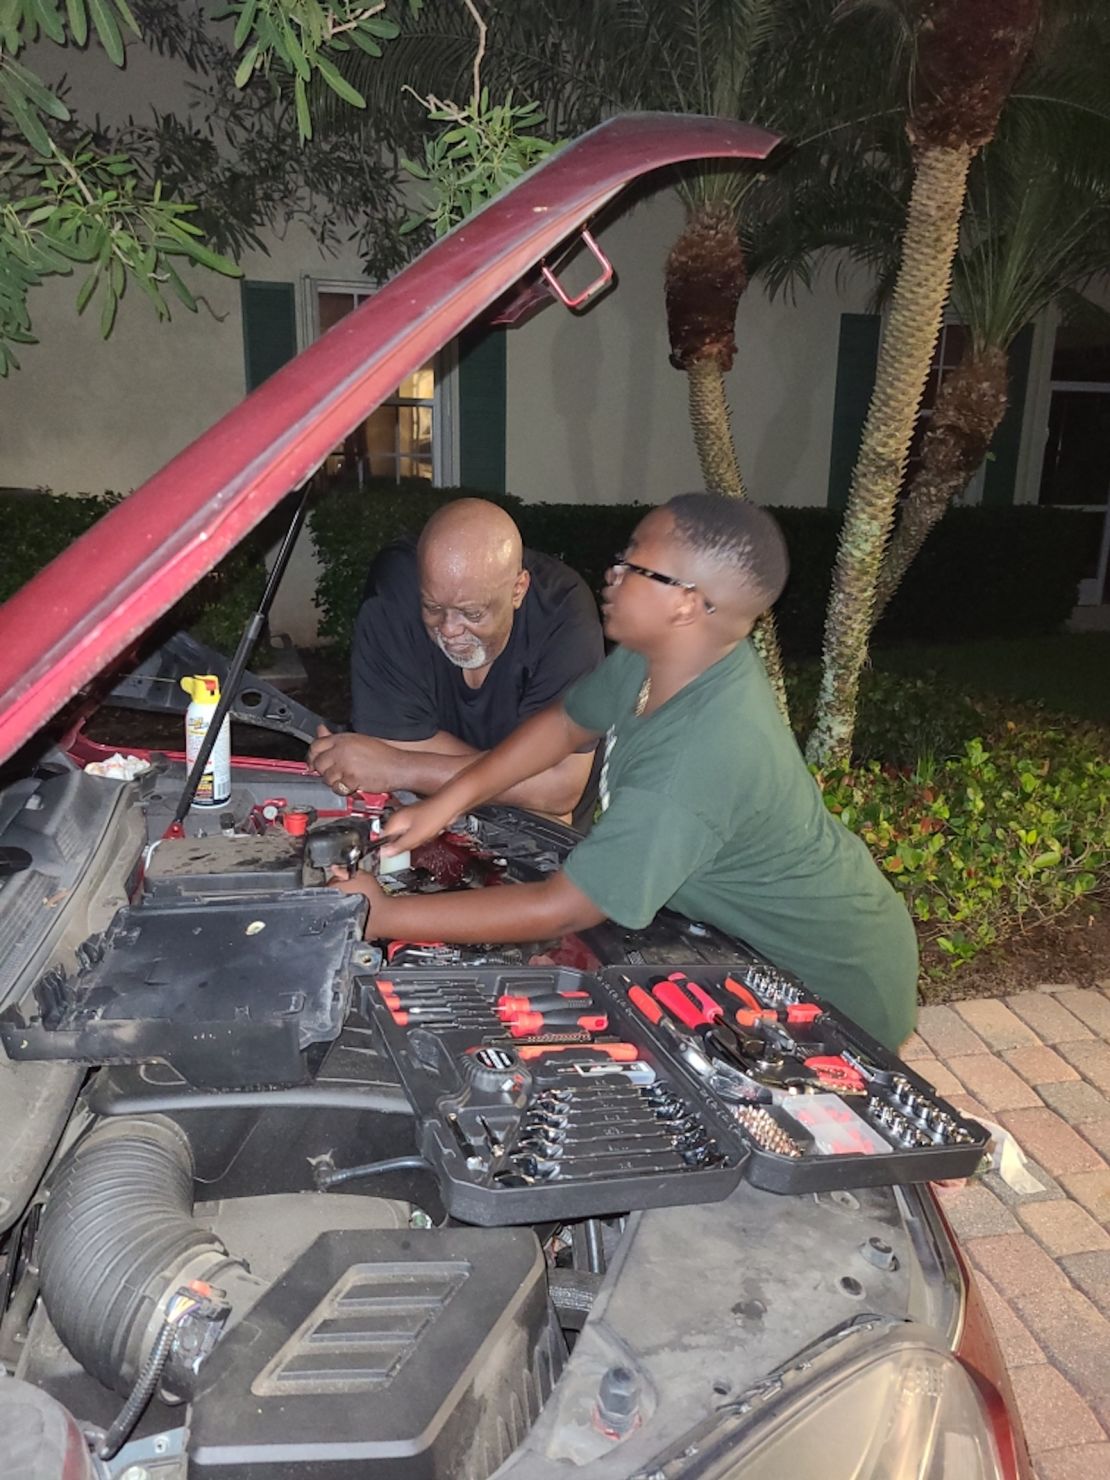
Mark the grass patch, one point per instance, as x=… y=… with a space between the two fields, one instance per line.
x=1068 y=672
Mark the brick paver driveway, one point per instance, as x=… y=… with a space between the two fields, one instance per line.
x=1039 y=1065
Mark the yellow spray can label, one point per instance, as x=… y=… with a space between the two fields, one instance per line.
x=214 y=787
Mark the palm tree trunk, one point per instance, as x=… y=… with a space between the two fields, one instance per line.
x=917 y=306
x=970 y=405
x=705 y=277
x=711 y=424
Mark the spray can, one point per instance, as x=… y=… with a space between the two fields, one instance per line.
x=214 y=787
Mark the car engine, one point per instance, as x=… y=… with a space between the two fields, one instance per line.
x=269 y=1216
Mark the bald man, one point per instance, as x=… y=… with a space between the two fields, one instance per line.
x=459 y=638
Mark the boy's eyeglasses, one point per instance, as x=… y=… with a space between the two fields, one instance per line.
x=620 y=565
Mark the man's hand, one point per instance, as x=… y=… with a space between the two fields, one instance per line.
x=357 y=762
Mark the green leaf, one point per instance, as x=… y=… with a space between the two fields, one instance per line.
x=245 y=69
x=50 y=21
x=108 y=312
x=206 y=257
x=40 y=96
x=294 y=52
x=87 y=289
x=365 y=43
x=78 y=21
x=128 y=19
x=244 y=24
x=339 y=84
x=180 y=289
x=30 y=125
x=380 y=25
x=108 y=33
x=304 y=117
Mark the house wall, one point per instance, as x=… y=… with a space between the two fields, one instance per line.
x=596 y=413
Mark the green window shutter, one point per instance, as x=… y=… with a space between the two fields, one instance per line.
x=856 y=358
x=269 y=328
x=482 y=375
x=1002 y=456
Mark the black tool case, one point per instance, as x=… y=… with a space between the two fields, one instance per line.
x=474 y=1090
x=232 y=992
x=478 y=1094
x=897 y=1106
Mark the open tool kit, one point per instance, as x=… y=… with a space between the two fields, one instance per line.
x=550 y=1093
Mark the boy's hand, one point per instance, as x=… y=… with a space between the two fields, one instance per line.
x=410 y=826
x=366 y=885
x=356 y=762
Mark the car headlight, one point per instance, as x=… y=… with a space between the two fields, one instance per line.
x=902 y=1408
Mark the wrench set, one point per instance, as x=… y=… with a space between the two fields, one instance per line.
x=546 y=1093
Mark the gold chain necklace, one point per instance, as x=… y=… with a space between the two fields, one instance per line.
x=642 y=698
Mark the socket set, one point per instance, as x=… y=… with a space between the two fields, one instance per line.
x=538 y=1099
x=819 y=1102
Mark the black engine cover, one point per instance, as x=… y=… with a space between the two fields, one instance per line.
x=411 y=1355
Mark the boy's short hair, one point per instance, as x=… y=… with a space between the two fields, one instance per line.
x=738 y=535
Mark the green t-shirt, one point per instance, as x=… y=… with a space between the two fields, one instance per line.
x=709 y=808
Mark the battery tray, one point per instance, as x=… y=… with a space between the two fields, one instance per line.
x=201 y=987
x=544 y=1093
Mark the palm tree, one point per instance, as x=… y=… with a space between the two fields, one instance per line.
x=966 y=58
x=1035 y=231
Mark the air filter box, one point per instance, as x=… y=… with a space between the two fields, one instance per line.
x=392 y=1353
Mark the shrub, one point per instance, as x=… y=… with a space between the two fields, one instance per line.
x=988 y=842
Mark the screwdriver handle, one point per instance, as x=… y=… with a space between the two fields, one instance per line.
x=647 y=1005
x=523 y=1024
x=678 y=1004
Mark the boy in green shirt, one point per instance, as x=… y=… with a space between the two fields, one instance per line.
x=707 y=803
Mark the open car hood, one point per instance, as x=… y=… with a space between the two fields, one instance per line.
x=91 y=603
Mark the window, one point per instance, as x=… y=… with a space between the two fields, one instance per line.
x=1075 y=472
x=403 y=437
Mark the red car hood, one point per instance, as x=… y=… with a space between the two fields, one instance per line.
x=91 y=603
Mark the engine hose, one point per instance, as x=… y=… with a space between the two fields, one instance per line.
x=336 y=1176
x=117 y=1238
x=141 y=1393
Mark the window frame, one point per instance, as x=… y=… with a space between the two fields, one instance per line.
x=444 y=400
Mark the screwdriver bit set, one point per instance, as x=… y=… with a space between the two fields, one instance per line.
x=546 y=1093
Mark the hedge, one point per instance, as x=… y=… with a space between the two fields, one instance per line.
x=983 y=572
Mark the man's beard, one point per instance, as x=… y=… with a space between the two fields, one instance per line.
x=474 y=657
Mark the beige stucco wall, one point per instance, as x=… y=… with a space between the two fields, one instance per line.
x=597 y=414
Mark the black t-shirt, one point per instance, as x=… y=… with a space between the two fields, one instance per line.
x=404 y=688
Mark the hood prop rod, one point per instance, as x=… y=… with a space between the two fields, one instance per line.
x=238 y=665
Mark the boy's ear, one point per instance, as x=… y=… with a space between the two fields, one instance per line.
x=686 y=608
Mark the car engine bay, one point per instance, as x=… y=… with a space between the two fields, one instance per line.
x=281 y=1201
